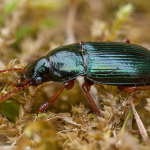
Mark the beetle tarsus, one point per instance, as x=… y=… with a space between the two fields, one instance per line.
x=68 y=85
x=86 y=88
x=43 y=107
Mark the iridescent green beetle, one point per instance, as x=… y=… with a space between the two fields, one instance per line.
x=114 y=63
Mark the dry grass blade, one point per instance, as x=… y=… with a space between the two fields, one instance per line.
x=15 y=142
x=65 y=119
x=140 y=124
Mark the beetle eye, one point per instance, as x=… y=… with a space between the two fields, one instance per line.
x=38 y=80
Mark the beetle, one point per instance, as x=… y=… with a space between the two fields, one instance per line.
x=121 y=64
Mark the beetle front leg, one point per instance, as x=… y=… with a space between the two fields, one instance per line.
x=68 y=85
x=86 y=87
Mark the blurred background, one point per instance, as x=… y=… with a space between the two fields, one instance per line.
x=29 y=29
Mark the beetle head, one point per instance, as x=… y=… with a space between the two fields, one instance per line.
x=35 y=72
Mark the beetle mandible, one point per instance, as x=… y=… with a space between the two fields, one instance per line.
x=121 y=64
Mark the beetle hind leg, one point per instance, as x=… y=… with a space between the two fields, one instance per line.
x=130 y=89
x=126 y=41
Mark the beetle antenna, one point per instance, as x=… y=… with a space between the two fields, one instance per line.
x=6 y=96
x=12 y=69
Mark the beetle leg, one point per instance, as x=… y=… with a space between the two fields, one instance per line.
x=86 y=87
x=6 y=96
x=126 y=41
x=68 y=85
x=13 y=69
x=130 y=89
